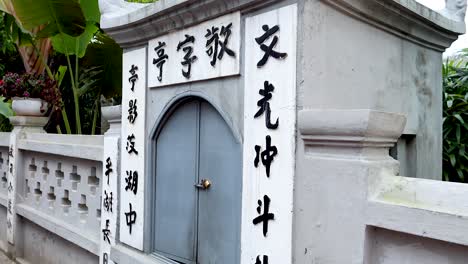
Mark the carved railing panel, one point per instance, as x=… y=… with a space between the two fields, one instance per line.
x=66 y=188
x=3 y=171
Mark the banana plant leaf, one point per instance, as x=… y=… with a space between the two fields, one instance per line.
x=106 y=55
x=5 y=108
x=76 y=45
x=91 y=10
x=58 y=16
x=69 y=45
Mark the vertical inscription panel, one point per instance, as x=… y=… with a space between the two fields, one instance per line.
x=133 y=148
x=269 y=136
x=205 y=51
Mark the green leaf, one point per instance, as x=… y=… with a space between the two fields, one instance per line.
x=458 y=133
x=91 y=10
x=453 y=160
x=66 y=44
x=60 y=74
x=5 y=108
x=106 y=54
x=59 y=16
x=457 y=116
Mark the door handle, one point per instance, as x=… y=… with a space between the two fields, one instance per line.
x=204 y=184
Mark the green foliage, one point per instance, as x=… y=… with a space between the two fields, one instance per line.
x=69 y=45
x=104 y=57
x=455 y=128
x=5 y=108
x=10 y=61
x=58 y=16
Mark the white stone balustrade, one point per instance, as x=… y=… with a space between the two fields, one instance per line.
x=56 y=198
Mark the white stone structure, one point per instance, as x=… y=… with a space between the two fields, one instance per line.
x=260 y=132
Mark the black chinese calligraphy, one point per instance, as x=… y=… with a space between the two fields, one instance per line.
x=269 y=52
x=134 y=77
x=132 y=111
x=9 y=207
x=131 y=145
x=132 y=181
x=10 y=151
x=10 y=187
x=216 y=47
x=108 y=169
x=188 y=58
x=264 y=217
x=267 y=156
x=265 y=260
x=105 y=258
x=264 y=105
x=130 y=218
x=108 y=201
x=11 y=168
x=106 y=232
x=9 y=223
x=161 y=59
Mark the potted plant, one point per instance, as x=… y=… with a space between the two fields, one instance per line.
x=31 y=95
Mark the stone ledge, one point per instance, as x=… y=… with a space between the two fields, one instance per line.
x=350 y=128
x=78 y=146
x=63 y=230
x=123 y=254
x=29 y=121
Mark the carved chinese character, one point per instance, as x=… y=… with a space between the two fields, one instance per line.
x=10 y=151
x=10 y=187
x=9 y=206
x=269 y=52
x=265 y=216
x=130 y=218
x=108 y=168
x=131 y=145
x=134 y=77
x=161 y=59
x=105 y=258
x=265 y=105
x=108 y=201
x=106 y=232
x=132 y=181
x=217 y=47
x=267 y=156
x=188 y=58
x=265 y=260
x=132 y=111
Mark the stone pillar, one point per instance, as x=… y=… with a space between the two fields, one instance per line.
x=110 y=181
x=339 y=153
x=22 y=126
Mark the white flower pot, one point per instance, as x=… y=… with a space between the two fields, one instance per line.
x=29 y=106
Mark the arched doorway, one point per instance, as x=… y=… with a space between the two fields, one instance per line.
x=198 y=178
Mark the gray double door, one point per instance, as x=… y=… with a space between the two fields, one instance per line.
x=194 y=224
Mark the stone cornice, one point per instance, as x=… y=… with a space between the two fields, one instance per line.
x=350 y=128
x=404 y=18
x=167 y=15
